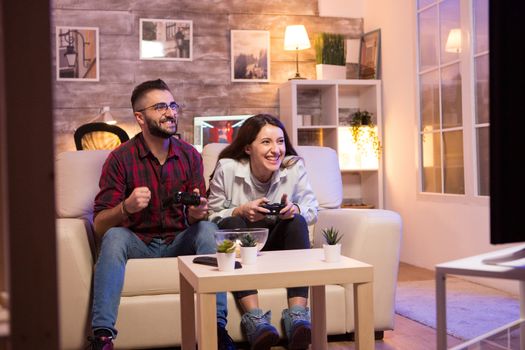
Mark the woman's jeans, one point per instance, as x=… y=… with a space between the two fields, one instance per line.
x=120 y=244
x=283 y=235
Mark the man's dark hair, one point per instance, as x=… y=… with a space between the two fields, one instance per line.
x=141 y=89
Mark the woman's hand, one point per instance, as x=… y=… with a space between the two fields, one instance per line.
x=289 y=210
x=252 y=211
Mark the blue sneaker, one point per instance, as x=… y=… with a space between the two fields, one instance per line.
x=258 y=329
x=297 y=326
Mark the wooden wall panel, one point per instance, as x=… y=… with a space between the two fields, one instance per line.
x=203 y=85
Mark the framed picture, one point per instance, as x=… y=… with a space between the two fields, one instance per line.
x=219 y=129
x=166 y=39
x=77 y=56
x=250 y=55
x=369 y=55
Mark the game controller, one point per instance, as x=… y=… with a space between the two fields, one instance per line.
x=274 y=208
x=187 y=198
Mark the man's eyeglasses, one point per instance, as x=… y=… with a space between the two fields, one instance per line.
x=162 y=107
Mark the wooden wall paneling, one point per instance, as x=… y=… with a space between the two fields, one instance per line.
x=203 y=85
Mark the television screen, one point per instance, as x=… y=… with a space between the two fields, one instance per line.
x=507 y=122
x=216 y=129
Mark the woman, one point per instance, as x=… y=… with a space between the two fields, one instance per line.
x=259 y=167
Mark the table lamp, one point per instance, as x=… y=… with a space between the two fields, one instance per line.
x=453 y=44
x=296 y=38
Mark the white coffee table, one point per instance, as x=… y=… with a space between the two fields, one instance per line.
x=290 y=268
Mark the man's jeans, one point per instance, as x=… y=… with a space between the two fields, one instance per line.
x=120 y=244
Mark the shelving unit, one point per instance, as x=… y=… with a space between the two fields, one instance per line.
x=330 y=104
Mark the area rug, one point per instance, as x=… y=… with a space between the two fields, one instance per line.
x=472 y=309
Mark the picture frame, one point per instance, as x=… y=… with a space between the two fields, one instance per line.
x=166 y=39
x=369 y=55
x=250 y=56
x=77 y=53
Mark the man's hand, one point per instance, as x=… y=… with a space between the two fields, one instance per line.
x=252 y=211
x=138 y=200
x=198 y=212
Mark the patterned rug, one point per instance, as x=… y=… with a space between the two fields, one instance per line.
x=472 y=309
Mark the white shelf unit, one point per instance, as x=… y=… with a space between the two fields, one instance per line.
x=330 y=103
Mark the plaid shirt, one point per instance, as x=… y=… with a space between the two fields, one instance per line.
x=133 y=165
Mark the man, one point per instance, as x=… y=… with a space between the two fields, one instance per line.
x=135 y=213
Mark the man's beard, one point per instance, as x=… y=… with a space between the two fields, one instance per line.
x=156 y=130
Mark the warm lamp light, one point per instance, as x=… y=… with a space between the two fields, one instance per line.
x=360 y=154
x=104 y=116
x=107 y=117
x=295 y=39
x=453 y=44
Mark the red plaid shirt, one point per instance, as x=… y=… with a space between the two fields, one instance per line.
x=133 y=165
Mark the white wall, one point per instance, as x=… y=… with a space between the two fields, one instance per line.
x=436 y=229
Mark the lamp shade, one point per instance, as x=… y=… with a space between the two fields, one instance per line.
x=453 y=44
x=296 y=38
x=106 y=116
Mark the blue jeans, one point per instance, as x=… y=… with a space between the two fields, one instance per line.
x=120 y=244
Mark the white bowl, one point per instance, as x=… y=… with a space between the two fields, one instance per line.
x=260 y=235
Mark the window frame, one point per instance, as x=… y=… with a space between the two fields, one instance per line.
x=469 y=127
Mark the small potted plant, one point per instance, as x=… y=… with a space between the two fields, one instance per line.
x=332 y=248
x=330 y=56
x=226 y=255
x=248 y=249
x=364 y=132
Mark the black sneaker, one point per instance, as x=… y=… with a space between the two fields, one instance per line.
x=100 y=343
x=224 y=341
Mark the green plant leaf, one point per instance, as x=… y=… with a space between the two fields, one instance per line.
x=331 y=236
x=226 y=246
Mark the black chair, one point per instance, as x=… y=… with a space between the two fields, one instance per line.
x=99 y=136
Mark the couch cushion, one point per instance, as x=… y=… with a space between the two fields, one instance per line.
x=151 y=276
x=76 y=182
x=322 y=166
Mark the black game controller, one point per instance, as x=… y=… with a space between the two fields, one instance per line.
x=274 y=208
x=187 y=198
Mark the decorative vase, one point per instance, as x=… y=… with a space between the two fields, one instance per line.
x=226 y=261
x=248 y=255
x=330 y=72
x=332 y=253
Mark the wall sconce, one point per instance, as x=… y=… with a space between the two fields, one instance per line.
x=105 y=116
x=453 y=44
x=71 y=39
x=295 y=39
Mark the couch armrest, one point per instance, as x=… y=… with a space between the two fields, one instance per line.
x=75 y=271
x=372 y=236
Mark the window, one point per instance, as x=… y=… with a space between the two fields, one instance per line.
x=453 y=96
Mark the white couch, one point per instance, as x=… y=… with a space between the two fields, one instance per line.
x=149 y=313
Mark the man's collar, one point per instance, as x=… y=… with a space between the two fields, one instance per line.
x=144 y=150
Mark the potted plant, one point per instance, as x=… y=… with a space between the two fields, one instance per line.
x=330 y=56
x=226 y=255
x=248 y=249
x=364 y=132
x=332 y=248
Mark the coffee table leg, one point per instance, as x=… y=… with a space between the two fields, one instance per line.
x=187 y=312
x=318 y=304
x=364 y=316
x=207 y=321
x=441 y=309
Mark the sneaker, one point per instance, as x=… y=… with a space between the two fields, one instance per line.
x=100 y=343
x=258 y=329
x=297 y=326
x=224 y=341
